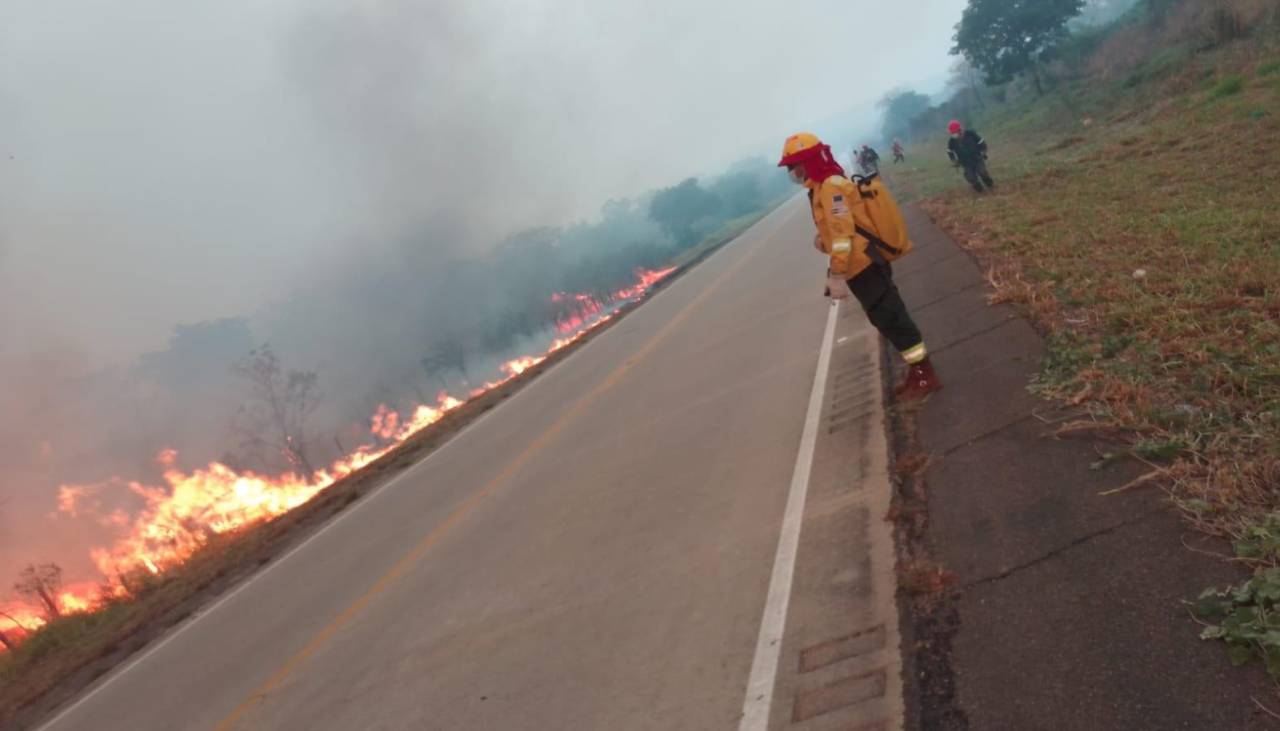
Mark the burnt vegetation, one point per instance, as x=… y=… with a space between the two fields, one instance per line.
x=248 y=392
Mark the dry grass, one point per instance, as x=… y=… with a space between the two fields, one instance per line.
x=910 y=465
x=66 y=655
x=1197 y=24
x=1150 y=255
x=925 y=579
x=69 y=653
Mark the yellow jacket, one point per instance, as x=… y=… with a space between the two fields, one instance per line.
x=836 y=207
x=852 y=219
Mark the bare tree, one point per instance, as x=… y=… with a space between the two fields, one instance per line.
x=41 y=583
x=449 y=353
x=435 y=370
x=965 y=79
x=5 y=639
x=280 y=402
x=423 y=398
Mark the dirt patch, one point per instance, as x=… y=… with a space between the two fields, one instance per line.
x=1065 y=143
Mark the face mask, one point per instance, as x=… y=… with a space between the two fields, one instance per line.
x=797 y=175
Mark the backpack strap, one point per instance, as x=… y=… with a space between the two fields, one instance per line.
x=876 y=240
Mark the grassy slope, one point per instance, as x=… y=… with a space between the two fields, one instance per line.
x=1174 y=170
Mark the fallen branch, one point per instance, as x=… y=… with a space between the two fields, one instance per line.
x=14 y=619
x=1137 y=482
x=1269 y=712
x=1084 y=425
x=1214 y=554
x=1057 y=418
x=1080 y=396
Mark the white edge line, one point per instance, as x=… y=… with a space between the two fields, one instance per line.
x=337 y=518
x=764 y=668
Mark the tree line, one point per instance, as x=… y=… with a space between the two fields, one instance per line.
x=1006 y=49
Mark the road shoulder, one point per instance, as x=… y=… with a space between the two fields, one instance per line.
x=1036 y=600
x=841 y=665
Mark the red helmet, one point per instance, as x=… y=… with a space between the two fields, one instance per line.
x=955 y=127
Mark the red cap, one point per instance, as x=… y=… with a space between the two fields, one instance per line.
x=955 y=127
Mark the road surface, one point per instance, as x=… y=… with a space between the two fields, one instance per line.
x=678 y=527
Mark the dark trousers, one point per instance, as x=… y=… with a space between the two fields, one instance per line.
x=879 y=297
x=977 y=171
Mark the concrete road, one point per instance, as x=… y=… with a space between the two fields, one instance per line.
x=679 y=527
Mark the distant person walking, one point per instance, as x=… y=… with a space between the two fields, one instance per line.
x=861 y=231
x=968 y=150
x=869 y=160
x=898 y=154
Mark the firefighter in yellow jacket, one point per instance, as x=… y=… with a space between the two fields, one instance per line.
x=860 y=250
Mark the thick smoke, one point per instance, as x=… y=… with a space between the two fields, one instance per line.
x=362 y=185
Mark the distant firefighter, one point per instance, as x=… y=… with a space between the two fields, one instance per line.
x=968 y=150
x=869 y=160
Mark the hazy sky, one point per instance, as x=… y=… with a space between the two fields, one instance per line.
x=166 y=162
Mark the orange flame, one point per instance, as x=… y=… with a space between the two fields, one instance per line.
x=183 y=514
x=583 y=310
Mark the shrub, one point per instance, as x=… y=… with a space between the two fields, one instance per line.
x=1218 y=23
x=1225 y=24
x=1228 y=86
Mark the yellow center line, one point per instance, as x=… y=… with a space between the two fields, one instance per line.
x=473 y=501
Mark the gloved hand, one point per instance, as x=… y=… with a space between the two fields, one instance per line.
x=837 y=287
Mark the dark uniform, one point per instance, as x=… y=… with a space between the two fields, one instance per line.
x=969 y=151
x=869 y=160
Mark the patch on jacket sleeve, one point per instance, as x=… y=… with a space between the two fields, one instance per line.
x=838 y=206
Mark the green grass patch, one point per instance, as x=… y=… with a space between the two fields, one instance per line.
x=1228 y=86
x=1270 y=68
x=1155 y=281
x=1246 y=617
x=1160 y=66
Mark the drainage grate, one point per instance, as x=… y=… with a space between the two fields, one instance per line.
x=837 y=695
x=842 y=648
